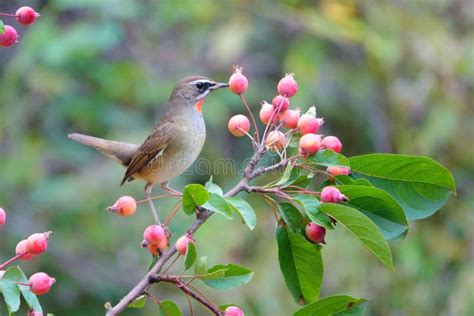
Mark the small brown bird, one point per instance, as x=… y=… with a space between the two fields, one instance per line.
x=173 y=144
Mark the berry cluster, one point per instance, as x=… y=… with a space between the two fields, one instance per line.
x=278 y=115
x=24 y=16
x=40 y=282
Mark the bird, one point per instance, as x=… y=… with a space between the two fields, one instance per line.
x=173 y=144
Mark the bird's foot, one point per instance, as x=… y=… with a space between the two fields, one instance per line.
x=165 y=187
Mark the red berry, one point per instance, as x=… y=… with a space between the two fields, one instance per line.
x=238 y=83
x=309 y=124
x=315 y=233
x=182 y=243
x=156 y=235
x=26 y=15
x=276 y=140
x=21 y=248
x=239 y=125
x=124 y=206
x=153 y=249
x=332 y=194
x=3 y=216
x=287 y=86
x=332 y=142
x=8 y=37
x=41 y=283
x=290 y=118
x=309 y=144
x=280 y=103
x=233 y=311
x=337 y=171
x=37 y=243
x=266 y=112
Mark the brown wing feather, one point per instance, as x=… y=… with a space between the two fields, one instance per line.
x=157 y=141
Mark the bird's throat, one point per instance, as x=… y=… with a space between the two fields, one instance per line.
x=198 y=105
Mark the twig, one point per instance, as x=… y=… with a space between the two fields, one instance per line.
x=175 y=280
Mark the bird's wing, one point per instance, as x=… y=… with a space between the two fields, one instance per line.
x=154 y=145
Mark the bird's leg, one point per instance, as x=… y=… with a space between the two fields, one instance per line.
x=148 y=188
x=165 y=187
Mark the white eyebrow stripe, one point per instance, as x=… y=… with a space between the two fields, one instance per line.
x=200 y=80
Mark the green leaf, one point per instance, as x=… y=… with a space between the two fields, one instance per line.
x=214 y=188
x=17 y=275
x=379 y=206
x=286 y=175
x=419 y=184
x=139 y=302
x=169 y=308
x=329 y=158
x=330 y=305
x=343 y=179
x=244 y=210
x=301 y=265
x=193 y=195
x=2 y=27
x=362 y=228
x=312 y=208
x=298 y=177
x=219 y=205
x=191 y=256
x=234 y=275
x=292 y=217
x=200 y=268
x=11 y=294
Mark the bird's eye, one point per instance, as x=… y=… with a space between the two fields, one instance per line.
x=200 y=85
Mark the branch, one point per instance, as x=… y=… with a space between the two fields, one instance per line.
x=201 y=216
x=182 y=286
x=262 y=170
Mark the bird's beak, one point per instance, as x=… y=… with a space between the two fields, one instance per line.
x=218 y=85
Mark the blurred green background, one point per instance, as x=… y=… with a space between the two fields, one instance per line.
x=387 y=76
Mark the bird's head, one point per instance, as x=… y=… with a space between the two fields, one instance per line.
x=194 y=89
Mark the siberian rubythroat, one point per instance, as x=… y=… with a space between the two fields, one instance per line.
x=173 y=144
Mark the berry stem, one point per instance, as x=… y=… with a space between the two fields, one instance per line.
x=8 y=14
x=251 y=116
x=3 y=265
x=173 y=212
x=271 y=121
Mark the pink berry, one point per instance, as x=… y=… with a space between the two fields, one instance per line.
x=233 y=311
x=309 y=124
x=32 y=312
x=332 y=194
x=182 y=243
x=239 y=125
x=315 y=233
x=124 y=206
x=280 y=103
x=41 y=283
x=26 y=15
x=8 y=37
x=156 y=235
x=266 y=112
x=290 y=118
x=3 y=216
x=309 y=144
x=275 y=141
x=337 y=171
x=287 y=86
x=21 y=248
x=37 y=243
x=238 y=83
x=333 y=143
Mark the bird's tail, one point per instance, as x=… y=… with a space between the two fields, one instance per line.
x=122 y=152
